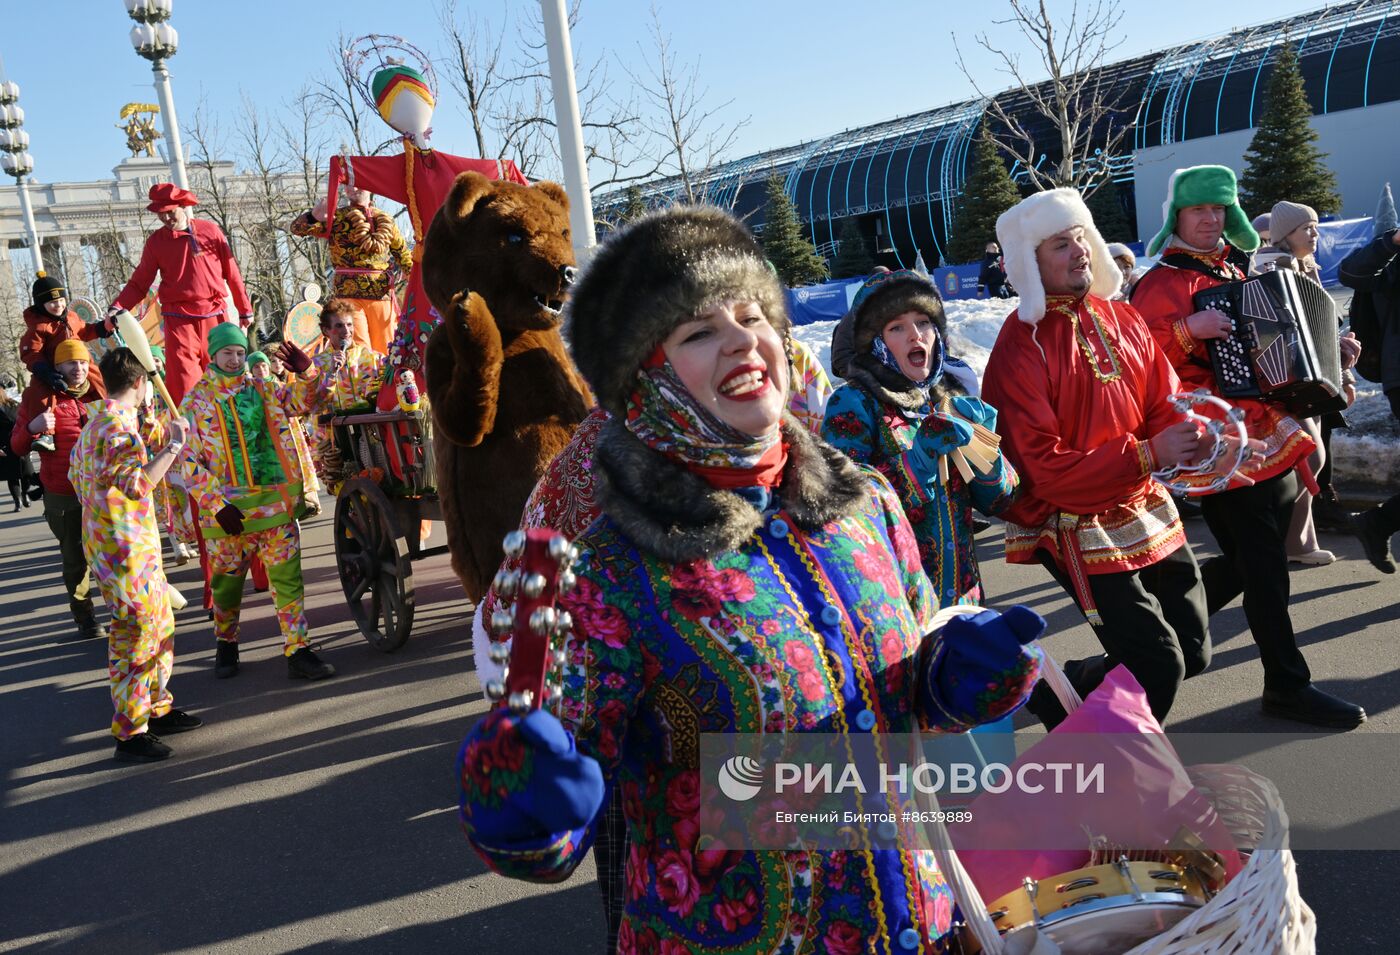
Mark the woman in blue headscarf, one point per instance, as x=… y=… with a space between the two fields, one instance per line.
x=906 y=410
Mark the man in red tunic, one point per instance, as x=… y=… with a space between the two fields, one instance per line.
x=194 y=261
x=1204 y=242
x=1082 y=390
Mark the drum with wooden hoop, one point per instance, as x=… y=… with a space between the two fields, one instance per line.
x=1102 y=909
x=303 y=327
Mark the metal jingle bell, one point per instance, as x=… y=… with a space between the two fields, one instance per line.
x=542 y=621
x=500 y=653
x=568 y=580
x=520 y=702
x=505 y=583
x=495 y=689
x=533 y=585
x=502 y=621
x=559 y=547
x=556 y=694
x=514 y=544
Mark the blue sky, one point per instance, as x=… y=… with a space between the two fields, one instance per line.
x=799 y=69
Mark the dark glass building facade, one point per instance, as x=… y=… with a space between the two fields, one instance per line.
x=900 y=179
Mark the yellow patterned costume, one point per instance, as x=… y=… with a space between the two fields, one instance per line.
x=122 y=542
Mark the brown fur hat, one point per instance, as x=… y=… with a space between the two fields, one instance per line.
x=651 y=276
x=890 y=294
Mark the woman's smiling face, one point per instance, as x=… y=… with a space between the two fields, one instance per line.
x=913 y=340
x=732 y=362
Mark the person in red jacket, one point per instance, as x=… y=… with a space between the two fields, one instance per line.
x=194 y=262
x=1083 y=390
x=1203 y=243
x=63 y=414
x=46 y=323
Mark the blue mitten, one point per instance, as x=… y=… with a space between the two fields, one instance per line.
x=522 y=780
x=981 y=668
x=940 y=433
x=976 y=410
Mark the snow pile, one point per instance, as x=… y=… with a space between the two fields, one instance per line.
x=1368 y=453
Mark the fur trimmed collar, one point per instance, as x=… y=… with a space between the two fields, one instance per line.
x=884 y=384
x=673 y=514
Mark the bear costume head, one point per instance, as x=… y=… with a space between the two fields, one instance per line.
x=506 y=242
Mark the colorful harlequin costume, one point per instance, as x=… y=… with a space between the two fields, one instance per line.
x=354 y=387
x=366 y=250
x=243 y=452
x=793 y=605
x=900 y=427
x=122 y=543
x=195 y=267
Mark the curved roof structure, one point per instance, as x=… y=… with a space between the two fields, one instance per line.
x=899 y=177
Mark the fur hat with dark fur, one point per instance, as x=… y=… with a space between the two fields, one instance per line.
x=891 y=294
x=883 y=297
x=651 y=276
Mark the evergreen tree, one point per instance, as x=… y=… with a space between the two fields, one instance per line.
x=787 y=248
x=987 y=192
x=634 y=206
x=1106 y=206
x=853 y=257
x=1283 y=161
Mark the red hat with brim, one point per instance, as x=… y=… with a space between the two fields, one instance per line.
x=165 y=196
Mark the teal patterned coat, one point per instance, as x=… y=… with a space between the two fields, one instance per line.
x=697 y=613
x=881 y=434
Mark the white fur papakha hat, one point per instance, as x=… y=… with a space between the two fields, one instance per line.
x=1030 y=222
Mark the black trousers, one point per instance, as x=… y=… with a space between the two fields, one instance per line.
x=1251 y=524
x=1154 y=623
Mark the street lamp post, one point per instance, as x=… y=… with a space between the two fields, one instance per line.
x=570 y=126
x=16 y=161
x=156 y=40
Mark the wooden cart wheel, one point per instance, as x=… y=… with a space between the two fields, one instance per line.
x=374 y=567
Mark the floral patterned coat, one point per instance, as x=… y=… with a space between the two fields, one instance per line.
x=878 y=434
x=695 y=613
x=363 y=248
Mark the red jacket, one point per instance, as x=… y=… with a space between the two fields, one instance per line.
x=70 y=414
x=43 y=332
x=1164 y=299
x=1079 y=443
x=193 y=268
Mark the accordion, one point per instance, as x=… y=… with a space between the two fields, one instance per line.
x=1283 y=346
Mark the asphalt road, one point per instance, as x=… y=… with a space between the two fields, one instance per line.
x=322 y=816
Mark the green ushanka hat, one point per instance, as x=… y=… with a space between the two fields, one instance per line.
x=1206 y=186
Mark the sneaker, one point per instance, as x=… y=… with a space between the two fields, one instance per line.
x=1313 y=558
x=1313 y=706
x=305 y=664
x=176 y=721
x=182 y=553
x=225 y=659
x=145 y=748
x=1374 y=540
x=44 y=442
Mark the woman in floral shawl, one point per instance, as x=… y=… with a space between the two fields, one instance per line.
x=743 y=578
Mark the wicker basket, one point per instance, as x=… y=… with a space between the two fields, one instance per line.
x=1258 y=913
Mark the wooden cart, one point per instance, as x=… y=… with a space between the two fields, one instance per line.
x=378 y=512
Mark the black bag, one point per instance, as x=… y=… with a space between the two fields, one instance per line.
x=1365 y=324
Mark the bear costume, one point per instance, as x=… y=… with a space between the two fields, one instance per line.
x=505 y=396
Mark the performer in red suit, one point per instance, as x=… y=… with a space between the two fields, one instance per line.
x=194 y=261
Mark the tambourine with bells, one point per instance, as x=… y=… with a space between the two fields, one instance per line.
x=534 y=660
x=1185 y=403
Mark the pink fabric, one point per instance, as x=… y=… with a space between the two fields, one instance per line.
x=1147 y=799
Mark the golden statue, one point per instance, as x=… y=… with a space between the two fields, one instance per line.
x=141 y=132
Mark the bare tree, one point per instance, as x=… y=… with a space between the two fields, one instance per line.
x=335 y=97
x=208 y=151
x=474 y=54
x=1078 y=100
x=692 y=136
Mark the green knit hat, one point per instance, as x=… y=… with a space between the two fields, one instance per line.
x=1206 y=186
x=225 y=334
x=257 y=357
